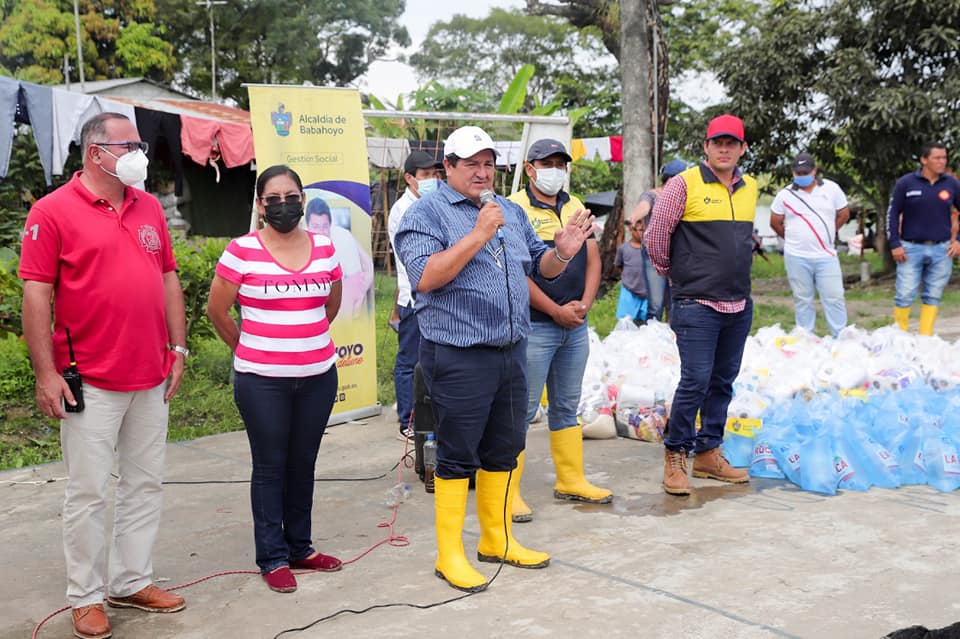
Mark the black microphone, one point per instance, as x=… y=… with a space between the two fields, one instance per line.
x=487 y=196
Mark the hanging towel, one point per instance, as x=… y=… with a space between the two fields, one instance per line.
x=387 y=153
x=616 y=148
x=68 y=108
x=235 y=141
x=9 y=90
x=577 y=150
x=597 y=148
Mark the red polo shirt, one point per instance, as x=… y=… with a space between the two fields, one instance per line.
x=107 y=274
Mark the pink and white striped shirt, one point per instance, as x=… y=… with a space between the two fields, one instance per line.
x=284 y=330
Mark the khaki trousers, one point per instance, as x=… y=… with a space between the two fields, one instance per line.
x=129 y=428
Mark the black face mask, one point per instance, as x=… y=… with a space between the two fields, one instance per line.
x=283 y=217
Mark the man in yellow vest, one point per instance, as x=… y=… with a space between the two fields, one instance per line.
x=558 y=344
x=701 y=238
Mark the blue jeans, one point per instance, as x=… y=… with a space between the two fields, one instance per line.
x=656 y=288
x=408 y=350
x=478 y=395
x=711 y=347
x=926 y=263
x=822 y=274
x=557 y=357
x=285 y=418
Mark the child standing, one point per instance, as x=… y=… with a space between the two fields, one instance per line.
x=633 y=287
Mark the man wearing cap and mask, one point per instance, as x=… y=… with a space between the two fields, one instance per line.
x=922 y=240
x=558 y=344
x=656 y=284
x=807 y=215
x=100 y=249
x=701 y=237
x=421 y=172
x=468 y=253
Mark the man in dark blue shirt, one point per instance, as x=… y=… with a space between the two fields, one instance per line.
x=921 y=238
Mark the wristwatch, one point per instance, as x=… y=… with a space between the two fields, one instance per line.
x=176 y=348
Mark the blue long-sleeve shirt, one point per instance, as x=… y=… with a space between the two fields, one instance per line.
x=920 y=211
x=472 y=309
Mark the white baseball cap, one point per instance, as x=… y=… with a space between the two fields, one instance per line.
x=467 y=141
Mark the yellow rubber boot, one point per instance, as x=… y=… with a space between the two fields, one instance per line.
x=496 y=534
x=450 y=504
x=928 y=315
x=901 y=315
x=521 y=511
x=567 y=448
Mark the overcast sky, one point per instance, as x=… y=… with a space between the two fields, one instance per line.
x=387 y=80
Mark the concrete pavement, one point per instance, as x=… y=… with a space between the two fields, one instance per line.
x=756 y=561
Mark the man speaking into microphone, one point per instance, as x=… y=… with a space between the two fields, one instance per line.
x=473 y=307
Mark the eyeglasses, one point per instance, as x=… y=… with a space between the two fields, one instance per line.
x=270 y=200
x=130 y=146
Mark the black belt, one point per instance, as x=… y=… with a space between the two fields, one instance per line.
x=927 y=242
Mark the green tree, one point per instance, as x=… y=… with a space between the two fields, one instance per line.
x=118 y=39
x=861 y=83
x=481 y=56
x=278 y=42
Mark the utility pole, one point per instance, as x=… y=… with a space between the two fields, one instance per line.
x=76 y=24
x=213 y=44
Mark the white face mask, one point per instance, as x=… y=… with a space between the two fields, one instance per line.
x=550 y=181
x=428 y=186
x=131 y=167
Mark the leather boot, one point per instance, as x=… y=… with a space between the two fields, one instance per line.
x=450 y=504
x=567 y=448
x=521 y=511
x=901 y=315
x=496 y=534
x=928 y=315
x=675 y=480
x=713 y=465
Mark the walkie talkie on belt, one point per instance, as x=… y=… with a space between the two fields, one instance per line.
x=74 y=381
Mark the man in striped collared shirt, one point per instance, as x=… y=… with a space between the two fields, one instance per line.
x=701 y=237
x=468 y=260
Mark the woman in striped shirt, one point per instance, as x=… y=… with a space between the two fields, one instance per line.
x=287 y=282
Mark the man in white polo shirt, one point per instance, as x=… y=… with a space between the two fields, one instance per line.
x=807 y=214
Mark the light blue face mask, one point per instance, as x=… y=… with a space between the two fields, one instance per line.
x=803 y=181
x=428 y=186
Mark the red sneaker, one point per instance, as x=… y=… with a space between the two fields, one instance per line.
x=319 y=561
x=281 y=580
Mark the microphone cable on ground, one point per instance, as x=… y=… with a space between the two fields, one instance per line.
x=391 y=539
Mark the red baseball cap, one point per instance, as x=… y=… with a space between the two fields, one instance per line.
x=725 y=125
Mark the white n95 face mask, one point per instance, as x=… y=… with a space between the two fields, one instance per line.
x=131 y=167
x=550 y=181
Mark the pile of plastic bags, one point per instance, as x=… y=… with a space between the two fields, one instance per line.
x=878 y=408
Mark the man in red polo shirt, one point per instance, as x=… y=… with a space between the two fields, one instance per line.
x=100 y=248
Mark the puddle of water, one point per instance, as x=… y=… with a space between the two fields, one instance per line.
x=660 y=504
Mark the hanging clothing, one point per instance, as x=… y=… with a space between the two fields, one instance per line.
x=387 y=153
x=156 y=125
x=68 y=109
x=9 y=92
x=597 y=148
x=616 y=148
x=39 y=110
x=577 y=150
x=198 y=137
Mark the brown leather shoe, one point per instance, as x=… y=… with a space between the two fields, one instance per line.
x=713 y=465
x=151 y=599
x=675 y=481
x=90 y=622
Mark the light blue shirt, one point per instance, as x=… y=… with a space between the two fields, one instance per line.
x=472 y=309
